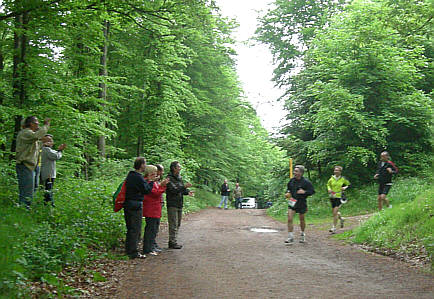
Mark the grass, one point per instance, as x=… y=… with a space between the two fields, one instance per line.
x=407 y=228
x=35 y=245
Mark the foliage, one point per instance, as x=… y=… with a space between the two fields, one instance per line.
x=358 y=91
x=406 y=228
x=38 y=244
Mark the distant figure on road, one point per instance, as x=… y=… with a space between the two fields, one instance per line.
x=135 y=189
x=386 y=169
x=298 y=189
x=27 y=152
x=48 y=166
x=336 y=185
x=238 y=194
x=225 y=194
x=176 y=189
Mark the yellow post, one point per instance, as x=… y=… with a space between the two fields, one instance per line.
x=290 y=168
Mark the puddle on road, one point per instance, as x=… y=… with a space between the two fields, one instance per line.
x=262 y=230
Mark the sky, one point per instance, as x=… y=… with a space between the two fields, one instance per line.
x=254 y=62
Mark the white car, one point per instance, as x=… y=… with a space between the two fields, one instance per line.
x=249 y=203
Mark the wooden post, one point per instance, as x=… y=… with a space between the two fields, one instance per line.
x=290 y=168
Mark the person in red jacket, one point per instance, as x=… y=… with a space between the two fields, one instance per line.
x=152 y=209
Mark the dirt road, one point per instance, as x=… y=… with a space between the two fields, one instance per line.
x=223 y=258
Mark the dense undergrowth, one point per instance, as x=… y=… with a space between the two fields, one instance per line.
x=407 y=227
x=37 y=244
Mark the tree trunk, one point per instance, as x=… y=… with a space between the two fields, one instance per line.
x=103 y=86
x=18 y=72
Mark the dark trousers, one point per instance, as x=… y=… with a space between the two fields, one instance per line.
x=238 y=203
x=150 y=234
x=133 y=222
x=174 y=216
x=48 y=193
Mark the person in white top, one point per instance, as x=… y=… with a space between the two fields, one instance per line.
x=49 y=157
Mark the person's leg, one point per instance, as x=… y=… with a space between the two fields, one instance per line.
x=48 y=193
x=155 y=246
x=302 y=223
x=147 y=236
x=37 y=176
x=335 y=216
x=179 y=217
x=26 y=183
x=226 y=201
x=302 y=228
x=221 y=201
x=172 y=218
x=133 y=221
x=291 y=214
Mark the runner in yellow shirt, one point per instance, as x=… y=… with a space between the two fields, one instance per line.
x=335 y=186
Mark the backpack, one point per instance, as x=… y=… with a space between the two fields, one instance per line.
x=119 y=197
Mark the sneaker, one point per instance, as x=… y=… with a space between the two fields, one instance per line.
x=153 y=253
x=289 y=241
x=174 y=246
x=302 y=238
x=332 y=229
x=342 y=220
x=157 y=249
x=138 y=256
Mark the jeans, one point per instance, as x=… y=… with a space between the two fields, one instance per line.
x=26 y=183
x=174 y=216
x=37 y=176
x=151 y=231
x=224 y=200
x=133 y=221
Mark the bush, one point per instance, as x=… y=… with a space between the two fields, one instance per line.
x=405 y=228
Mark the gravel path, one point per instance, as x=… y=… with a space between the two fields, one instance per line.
x=223 y=258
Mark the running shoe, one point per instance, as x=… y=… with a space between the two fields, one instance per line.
x=332 y=229
x=289 y=241
x=302 y=238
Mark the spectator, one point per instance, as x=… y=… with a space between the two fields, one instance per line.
x=176 y=189
x=135 y=189
x=225 y=194
x=152 y=209
x=160 y=172
x=27 y=151
x=48 y=166
x=238 y=194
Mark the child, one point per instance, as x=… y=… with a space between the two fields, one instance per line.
x=48 y=166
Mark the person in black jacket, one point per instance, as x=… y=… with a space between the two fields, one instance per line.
x=298 y=190
x=175 y=191
x=386 y=169
x=225 y=194
x=136 y=187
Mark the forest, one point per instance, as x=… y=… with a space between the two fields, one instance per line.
x=157 y=78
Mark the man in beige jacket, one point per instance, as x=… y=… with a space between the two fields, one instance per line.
x=27 y=151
